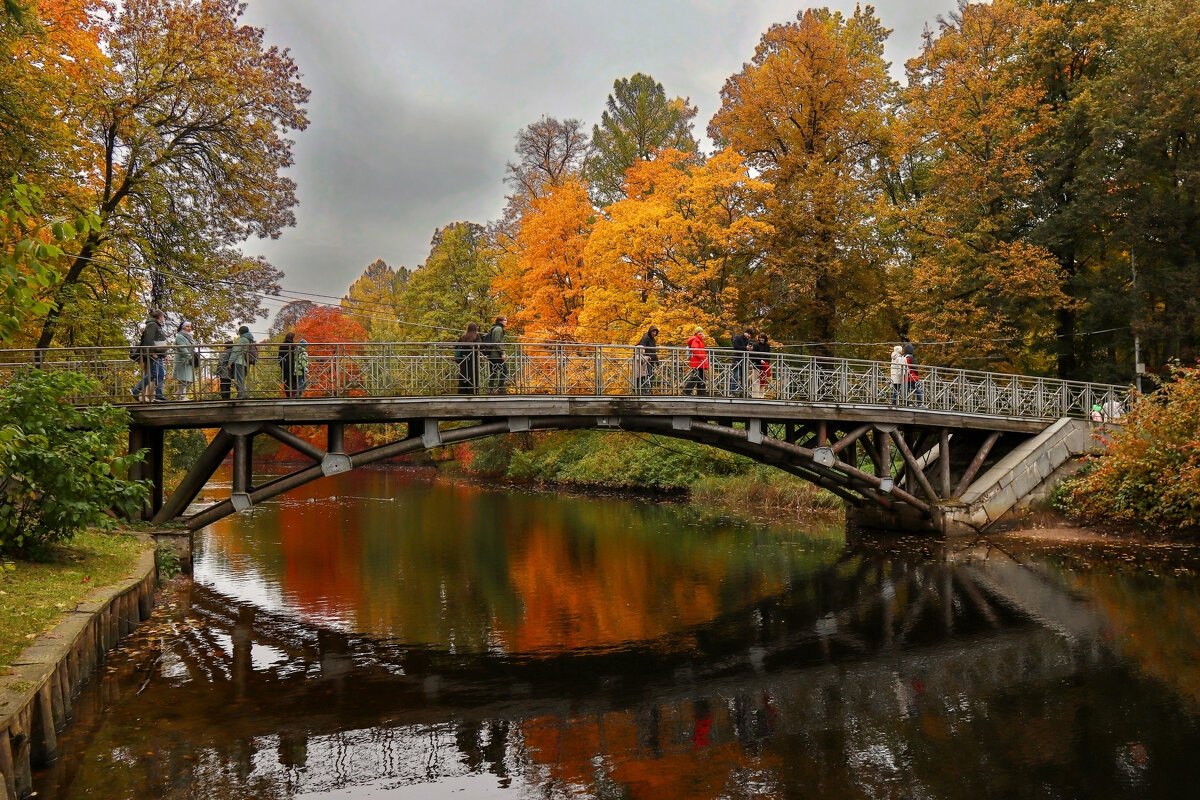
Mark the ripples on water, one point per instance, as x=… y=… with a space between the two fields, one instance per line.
x=411 y=638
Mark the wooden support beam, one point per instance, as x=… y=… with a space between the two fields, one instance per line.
x=293 y=441
x=913 y=468
x=196 y=477
x=944 y=462
x=138 y=472
x=850 y=438
x=822 y=433
x=976 y=463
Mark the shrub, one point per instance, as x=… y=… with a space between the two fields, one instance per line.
x=60 y=466
x=1150 y=472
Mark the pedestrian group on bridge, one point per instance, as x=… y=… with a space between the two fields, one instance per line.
x=749 y=373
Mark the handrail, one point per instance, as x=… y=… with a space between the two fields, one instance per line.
x=424 y=369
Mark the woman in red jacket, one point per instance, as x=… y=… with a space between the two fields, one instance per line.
x=696 y=382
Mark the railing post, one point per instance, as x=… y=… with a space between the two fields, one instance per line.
x=599 y=369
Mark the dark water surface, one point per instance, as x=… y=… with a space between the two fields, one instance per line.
x=383 y=634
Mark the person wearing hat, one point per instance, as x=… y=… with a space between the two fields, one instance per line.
x=697 y=382
x=898 y=371
x=239 y=360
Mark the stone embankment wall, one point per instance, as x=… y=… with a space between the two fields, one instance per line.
x=37 y=694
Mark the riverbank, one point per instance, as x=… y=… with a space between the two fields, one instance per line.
x=38 y=688
x=36 y=595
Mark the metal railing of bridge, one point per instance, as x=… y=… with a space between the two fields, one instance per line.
x=425 y=369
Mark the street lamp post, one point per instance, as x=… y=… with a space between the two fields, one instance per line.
x=1138 y=366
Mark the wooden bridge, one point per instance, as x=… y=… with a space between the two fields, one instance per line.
x=946 y=454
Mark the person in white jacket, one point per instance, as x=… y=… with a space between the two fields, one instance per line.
x=898 y=371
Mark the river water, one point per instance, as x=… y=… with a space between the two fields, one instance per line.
x=385 y=633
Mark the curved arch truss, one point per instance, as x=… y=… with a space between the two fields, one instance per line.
x=905 y=470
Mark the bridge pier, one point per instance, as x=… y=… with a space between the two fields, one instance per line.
x=1029 y=470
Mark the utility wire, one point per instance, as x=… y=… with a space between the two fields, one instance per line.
x=297 y=295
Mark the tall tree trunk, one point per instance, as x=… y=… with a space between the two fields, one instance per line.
x=50 y=325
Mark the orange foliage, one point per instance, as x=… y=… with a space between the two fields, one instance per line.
x=328 y=324
x=543 y=286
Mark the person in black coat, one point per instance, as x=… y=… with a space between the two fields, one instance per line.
x=466 y=355
x=152 y=358
x=287 y=364
x=645 y=354
x=743 y=343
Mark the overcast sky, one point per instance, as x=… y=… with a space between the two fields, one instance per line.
x=415 y=105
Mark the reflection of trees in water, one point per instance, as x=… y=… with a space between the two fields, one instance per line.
x=878 y=676
x=453 y=565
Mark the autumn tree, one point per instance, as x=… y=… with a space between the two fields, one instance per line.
x=375 y=298
x=807 y=113
x=327 y=325
x=1142 y=163
x=977 y=281
x=288 y=315
x=541 y=286
x=549 y=153
x=50 y=60
x=184 y=146
x=674 y=251
x=453 y=287
x=639 y=120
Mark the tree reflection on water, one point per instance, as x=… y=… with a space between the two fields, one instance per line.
x=438 y=640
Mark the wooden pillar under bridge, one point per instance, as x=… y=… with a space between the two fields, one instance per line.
x=243 y=470
x=156 y=458
x=137 y=472
x=149 y=440
x=335 y=438
x=944 y=463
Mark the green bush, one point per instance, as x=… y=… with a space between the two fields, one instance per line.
x=595 y=458
x=61 y=467
x=1150 y=472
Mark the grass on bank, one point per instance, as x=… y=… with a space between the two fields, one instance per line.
x=766 y=491
x=34 y=595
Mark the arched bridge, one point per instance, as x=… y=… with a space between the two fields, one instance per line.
x=936 y=455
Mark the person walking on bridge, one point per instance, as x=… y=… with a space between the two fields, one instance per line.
x=497 y=358
x=914 y=380
x=645 y=359
x=762 y=363
x=152 y=359
x=697 y=381
x=742 y=344
x=898 y=372
x=187 y=358
x=239 y=360
x=466 y=356
x=287 y=364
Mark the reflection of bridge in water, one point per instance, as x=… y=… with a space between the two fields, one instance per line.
x=866 y=644
x=950 y=452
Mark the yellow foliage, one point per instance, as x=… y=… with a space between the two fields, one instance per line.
x=671 y=253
